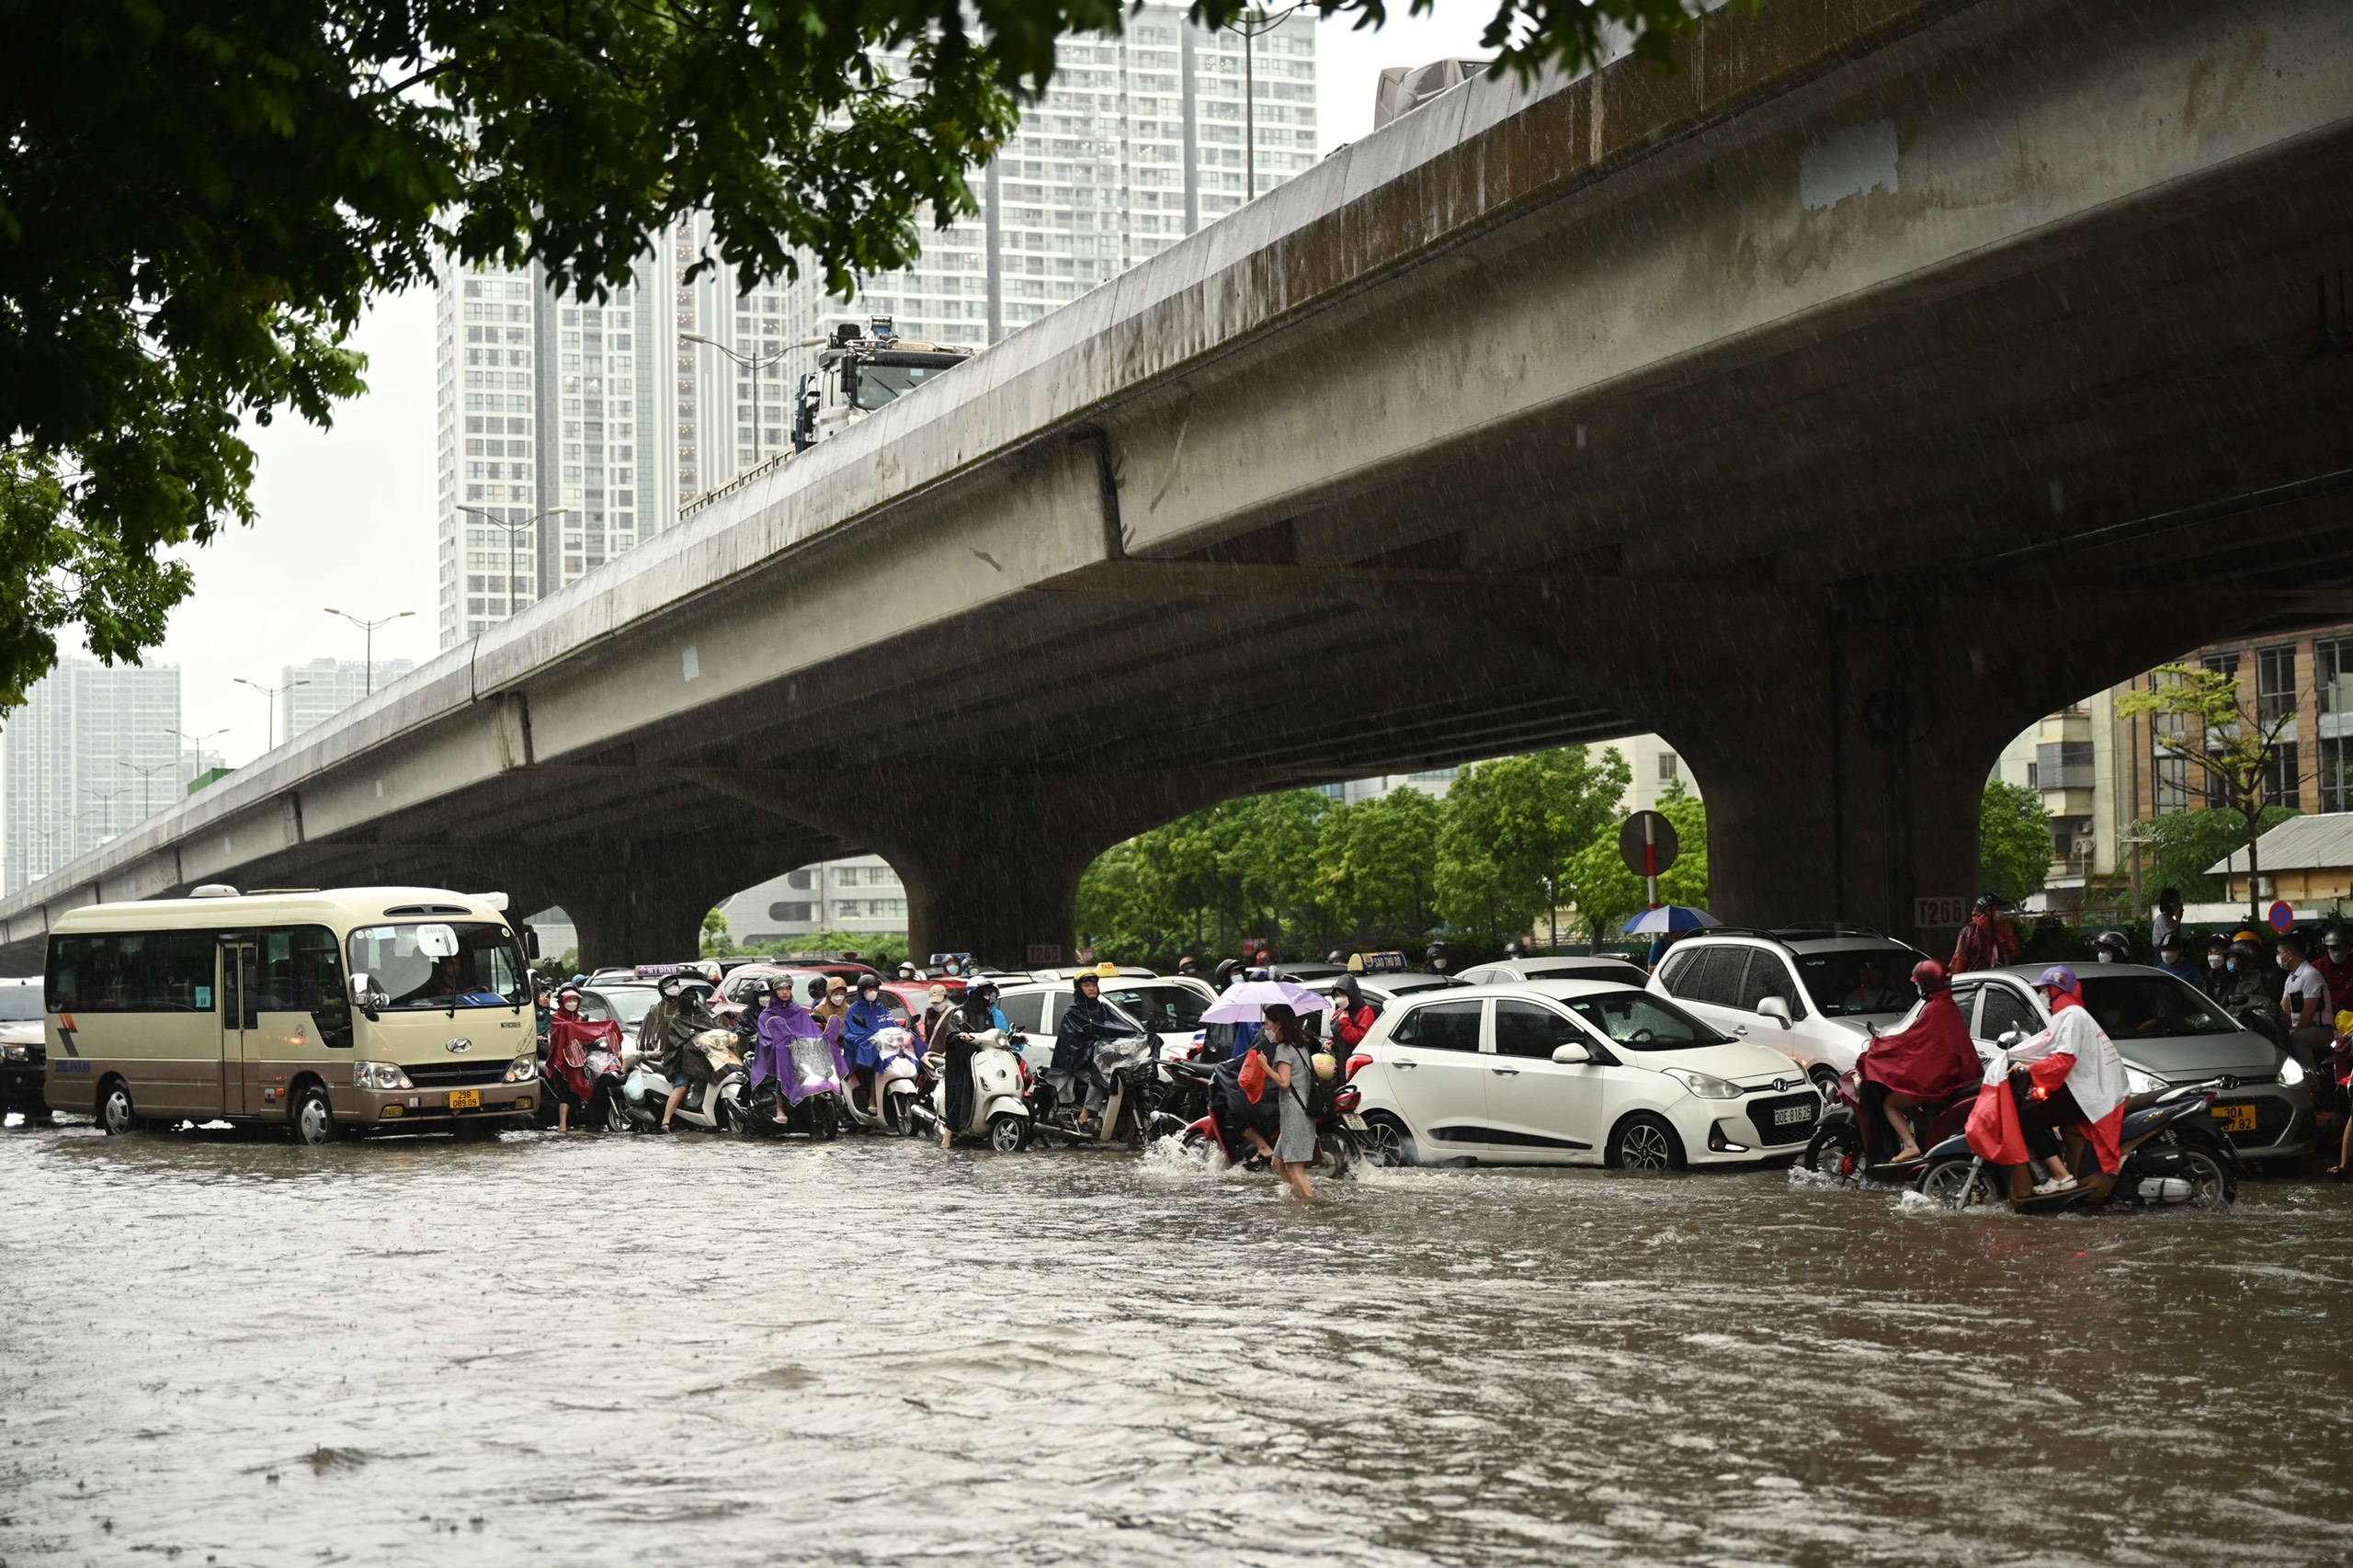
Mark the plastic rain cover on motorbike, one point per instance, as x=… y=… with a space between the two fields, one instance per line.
x=815 y=1069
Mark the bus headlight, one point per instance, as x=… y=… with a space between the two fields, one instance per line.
x=523 y=1069
x=379 y=1075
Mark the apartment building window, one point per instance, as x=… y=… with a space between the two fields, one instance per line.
x=2275 y=685
x=2280 y=776
x=789 y=912
x=2333 y=677
x=2168 y=771
x=1667 y=768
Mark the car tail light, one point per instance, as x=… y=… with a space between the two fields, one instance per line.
x=1349 y=1100
x=1361 y=1060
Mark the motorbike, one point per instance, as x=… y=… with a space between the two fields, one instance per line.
x=898 y=1080
x=1340 y=1144
x=1063 y=1104
x=714 y=1099
x=811 y=1101
x=1000 y=1094
x=2171 y=1156
x=1851 y=1141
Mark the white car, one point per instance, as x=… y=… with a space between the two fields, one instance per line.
x=1169 y=1005
x=1573 y=1073
x=1811 y=992
x=1600 y=966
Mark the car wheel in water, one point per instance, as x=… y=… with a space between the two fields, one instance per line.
x=314 y=1118
x=1385 y=1142
x=1965 y=1182
x=1007 y=1133
x=1835 y=1151
x=1643 y=1143
x=1826 y=1079
x=115 y=1111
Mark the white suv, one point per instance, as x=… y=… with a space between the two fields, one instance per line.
x=1813 y=994
x=1170 y=1006
x=1572 y=1072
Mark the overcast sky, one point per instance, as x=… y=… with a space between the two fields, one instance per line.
x=346 y=516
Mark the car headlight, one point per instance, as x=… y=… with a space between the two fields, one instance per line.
x=1707 y=1085
x=2292 y=1072
x=2139 y=1083
x=379 y=1075
x=523 y=1069
x=15 y=1053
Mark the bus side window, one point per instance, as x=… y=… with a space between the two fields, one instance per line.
x=301 y=972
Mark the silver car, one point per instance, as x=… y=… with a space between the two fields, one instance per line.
x=2168 y=1033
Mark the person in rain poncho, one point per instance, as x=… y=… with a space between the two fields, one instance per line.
x=865 y=1017
x=577 y=1051
x=1987 y=941
x=2068 y=1074
x=1089 y=1018
x=1931 y=1061
x=781 y=1022
x=956 y=1037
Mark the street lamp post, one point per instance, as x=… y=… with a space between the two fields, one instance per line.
x=755 y=363
x=512 y=529
x=369 y=626
x=195 y=743
x=1251 y=26
x=270 y=695
x=146 y=775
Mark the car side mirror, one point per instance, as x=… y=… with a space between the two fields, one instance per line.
x=1571 y=1056
x=1775 y=1008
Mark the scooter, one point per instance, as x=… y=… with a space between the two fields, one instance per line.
x=811 y=1104
x=2171 y=1156
x=1064 y=1106
x=897 y=1080
x=1850 y=1141
x=1340 y=1144
x=715 y=1102
x=1000 y=1103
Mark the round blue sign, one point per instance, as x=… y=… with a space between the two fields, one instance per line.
x=2283 y=918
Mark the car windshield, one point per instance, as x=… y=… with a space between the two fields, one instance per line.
x=1640 y=1021
x=19 y=1004
x=1164 y=1009
x=1408 y=987
x=1587 y=969
x=1861 y=979
x=2150 y=1007
x=878 y=383
x=632 y=1005
x=419 y=964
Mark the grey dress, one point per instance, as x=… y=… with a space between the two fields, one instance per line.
x=1295 y=1143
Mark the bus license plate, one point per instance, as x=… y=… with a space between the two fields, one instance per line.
x=2237 y=1118
x=465 y=1100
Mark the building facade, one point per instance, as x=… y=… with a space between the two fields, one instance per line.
x=861 y=896
x=93 y=751
x=2306 y=680
x=312 y=694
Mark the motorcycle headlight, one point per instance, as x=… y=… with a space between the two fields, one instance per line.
x=1707 y=1085
x=379 y=1075
x=2292 y=1072
x=2139 y=1083
x=523 y=1069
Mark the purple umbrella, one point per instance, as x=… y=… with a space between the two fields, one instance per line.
x=1248 y=1002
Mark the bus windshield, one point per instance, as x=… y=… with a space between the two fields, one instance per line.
x=415 y=965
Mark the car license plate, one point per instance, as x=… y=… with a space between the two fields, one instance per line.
x=2237 y=1118
x=1792 y=1116
x=465 y=1100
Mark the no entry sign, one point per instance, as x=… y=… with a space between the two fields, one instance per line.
x=1646 y=834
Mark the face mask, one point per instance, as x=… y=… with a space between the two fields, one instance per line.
x=2213 y=960
x=2234 y=966
x=2107 y=957
x=2287 y=962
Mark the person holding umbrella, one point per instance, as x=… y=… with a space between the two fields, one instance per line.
x=1284 y=1044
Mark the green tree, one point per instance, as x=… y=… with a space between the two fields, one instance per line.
x=2203 y=717
x=715 y=942
x=2013 y=840
x=1512 y=829
x=1607 y=894
x=2181 y=845
x=198 y=197
x=1375 y=881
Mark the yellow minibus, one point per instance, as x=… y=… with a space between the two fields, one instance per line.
x=329 y=1013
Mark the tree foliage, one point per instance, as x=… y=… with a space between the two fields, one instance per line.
x=1606 y=894
x=2013 y=840
x=200 y=196
x=2181 y=845
x=2203 y=717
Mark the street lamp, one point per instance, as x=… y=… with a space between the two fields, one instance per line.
x=195 y=744
x=109 y=797
x=269 y=694
x=147 y=810
x=1251 y=26
x=512 y=529
x=755 y=363
x=369 y=626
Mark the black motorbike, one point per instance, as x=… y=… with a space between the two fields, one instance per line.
x=2172 y=1157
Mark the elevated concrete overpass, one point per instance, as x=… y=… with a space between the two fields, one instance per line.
x=1898 y=372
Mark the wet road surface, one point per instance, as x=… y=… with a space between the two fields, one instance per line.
x=637 y=1351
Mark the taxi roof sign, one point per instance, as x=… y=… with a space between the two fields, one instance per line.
x=1377 y=963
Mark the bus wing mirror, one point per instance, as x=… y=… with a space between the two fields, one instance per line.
x=531 y=942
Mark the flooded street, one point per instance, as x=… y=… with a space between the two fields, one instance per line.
x=693 y=1350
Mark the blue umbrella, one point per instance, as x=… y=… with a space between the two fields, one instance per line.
x=1669 y=917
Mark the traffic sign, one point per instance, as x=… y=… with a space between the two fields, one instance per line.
x=1643 y=835
x=2283 y=919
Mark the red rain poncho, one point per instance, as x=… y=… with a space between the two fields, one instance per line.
x=1930 y=1059
x=2075 y=1051
x=570 y=1039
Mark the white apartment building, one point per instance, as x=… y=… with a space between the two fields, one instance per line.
x=862 y=895
x=314 y=693
x=1655 y=767
x=93 y=751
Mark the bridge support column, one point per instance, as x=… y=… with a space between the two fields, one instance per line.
x=643 y=900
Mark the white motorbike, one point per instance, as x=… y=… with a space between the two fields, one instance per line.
x=714 y=1103
x=1000 y=1114
x=898 y=1080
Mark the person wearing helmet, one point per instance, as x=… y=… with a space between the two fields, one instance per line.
x=906 y=971
x=861 y=1021
x=956 y=1036
x=1987 y=941
x=2110 y=947
x=2215 y=978
x=2251 y=996
x=1923 y=1064
x=2067 y=1076
x=2174 y=962
x=1226 y=968
x=1189 y=966
x=1089 y=1018
x=2335 y=966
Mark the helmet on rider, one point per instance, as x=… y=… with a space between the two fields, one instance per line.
x=2112 y=947
x=1988 y=903
x=2245 y=949
x=1225 y=969
x=1090 y=984
x=869 y=981
x=2060 y=980
x=907 y=970
x=1335 y=956
x=1929 y=976
x=816 y=987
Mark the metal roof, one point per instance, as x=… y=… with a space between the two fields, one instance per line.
x=2300 y=843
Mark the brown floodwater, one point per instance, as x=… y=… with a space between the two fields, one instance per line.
x=693 y=1350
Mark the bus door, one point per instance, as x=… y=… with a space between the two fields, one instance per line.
x=240 y=1033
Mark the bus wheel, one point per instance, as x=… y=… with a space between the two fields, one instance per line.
x=115 y=1113
x=313 y=1119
